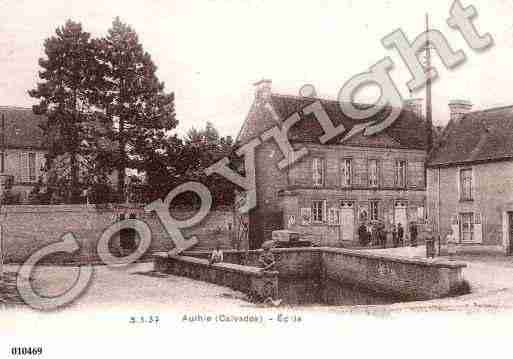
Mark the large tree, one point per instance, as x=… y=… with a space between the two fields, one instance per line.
x=71 y=78
x=135 y=100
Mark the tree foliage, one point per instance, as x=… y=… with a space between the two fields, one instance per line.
x=186 y=160
x=134 y=99
x=71 y=79
x=106 y=109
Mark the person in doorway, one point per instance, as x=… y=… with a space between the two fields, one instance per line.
x=400 y=234
x=413 y=234
x=266 y=259
x=394 y=235
x=217 y=255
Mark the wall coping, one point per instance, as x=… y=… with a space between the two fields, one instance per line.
x=438 y=262
x=93 y=208
x=229 y=267
x=29 y=208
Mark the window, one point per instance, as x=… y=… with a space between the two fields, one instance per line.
x=32 y=166
x=374 y=210
x=467 y=227
x=318 y=172
x=373 y=173
x=400 y=175
x=346 y=172
x=466 y=184
x=318 y=211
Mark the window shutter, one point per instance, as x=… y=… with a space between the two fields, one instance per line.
x=478 y=228
x=396 y=173
x=314 y=171
x=324 y=209
x=455 y=225
x=23 y=166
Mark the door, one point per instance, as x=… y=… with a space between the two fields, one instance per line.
x=467 y=227
x=400 y=214
x=347 y=220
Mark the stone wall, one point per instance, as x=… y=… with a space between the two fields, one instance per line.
x=28 y=228
x=246 y=279
x=409 y=279
x=290 y=262
x=404 y=278
x=300 y=174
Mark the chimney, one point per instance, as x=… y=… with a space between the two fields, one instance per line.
x=262 y=89
x=458 y=109
x=415 y=106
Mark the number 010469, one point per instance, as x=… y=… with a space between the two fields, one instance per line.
x=22 y=351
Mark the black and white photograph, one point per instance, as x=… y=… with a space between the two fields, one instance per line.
x=256 y=178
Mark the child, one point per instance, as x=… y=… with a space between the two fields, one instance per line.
x=266 y=259
x=217 y=255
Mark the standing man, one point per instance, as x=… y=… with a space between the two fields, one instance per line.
x=394 y=235
x=413 y=234
x=400 y=234
x=362 y=235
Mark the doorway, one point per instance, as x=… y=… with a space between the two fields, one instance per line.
x=347 y=220
x=400 y=214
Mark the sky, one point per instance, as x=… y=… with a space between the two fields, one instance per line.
x=211 y=52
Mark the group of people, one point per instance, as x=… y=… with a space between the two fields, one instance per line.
x=378 y=234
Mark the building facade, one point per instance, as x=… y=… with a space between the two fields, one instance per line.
x=338 y=185
x=470 y=178
x=22 y=157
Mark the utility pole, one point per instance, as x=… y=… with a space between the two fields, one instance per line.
x=2 y=161
x=429 y=113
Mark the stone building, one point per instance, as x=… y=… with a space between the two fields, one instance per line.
x=339 y=184
x=470 y=178
x=24 y=150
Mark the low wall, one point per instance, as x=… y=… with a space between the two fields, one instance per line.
x=290 y=262
x=408 y=278
x=27 y=228
x=247 y=279
x=399 y=277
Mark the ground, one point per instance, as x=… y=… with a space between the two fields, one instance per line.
x=139 y=288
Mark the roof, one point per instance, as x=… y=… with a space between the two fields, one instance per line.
x=479 y=136
x=408 y=130
x=22 y=128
